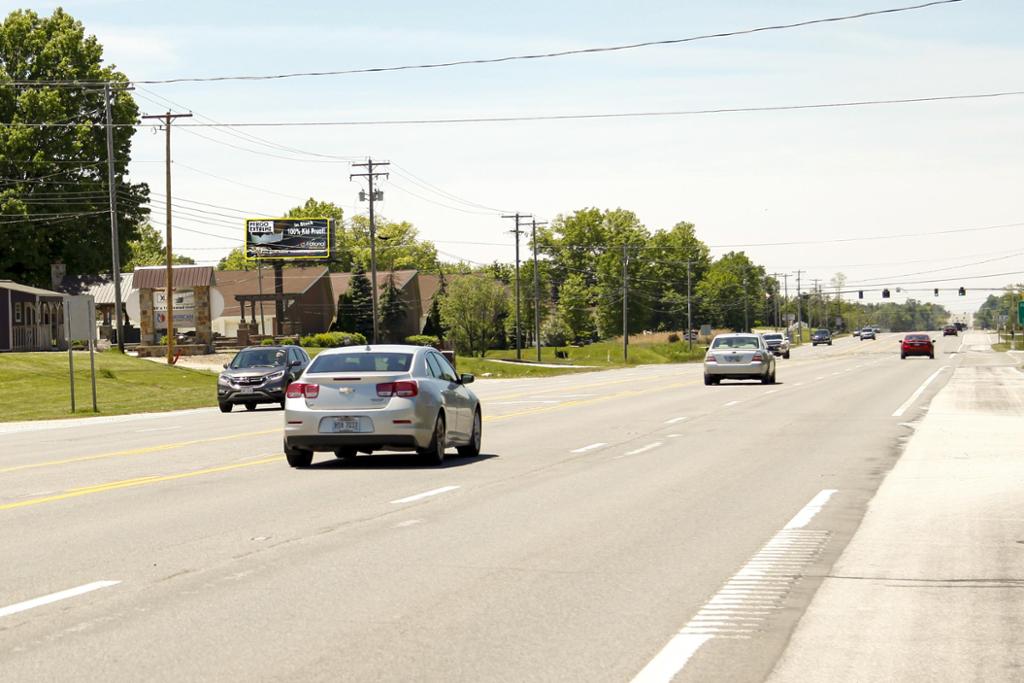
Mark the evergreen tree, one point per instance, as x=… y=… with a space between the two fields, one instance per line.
x=358 y=305
x=392 y=312
x=435 y=325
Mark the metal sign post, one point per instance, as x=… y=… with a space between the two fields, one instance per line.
x=71 y=354
x=80 y=323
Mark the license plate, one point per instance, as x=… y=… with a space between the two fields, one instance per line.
x=342 y=424
x=245 y=390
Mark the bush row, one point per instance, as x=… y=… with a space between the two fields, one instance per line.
x=333 y=339
x=423 y=340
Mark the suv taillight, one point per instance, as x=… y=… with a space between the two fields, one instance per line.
x=300 y=389
x=402 y=389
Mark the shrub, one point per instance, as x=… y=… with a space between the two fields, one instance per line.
x=333 y=339
x=673 y=338
x=554 y=332
x=269 y=341
x=423 y=340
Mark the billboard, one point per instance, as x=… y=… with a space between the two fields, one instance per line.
x=287 y=238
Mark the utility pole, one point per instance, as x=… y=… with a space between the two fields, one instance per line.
x=799 y=311
x=778 y=309
x=625 y=303
x=167 y=118
x=746 y=302
x=517 y=231
x=536 y=288
x=689 y=312
x=375 y=195
x=115 y=242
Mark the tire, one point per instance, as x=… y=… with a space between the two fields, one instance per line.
x=768 y=379
x=830 y=343
x=297 y=457
x=225 y=407
x=281 y=403
x=345 y=453
x=434 y=453
x=250 y=406
x=932 y=356
x=472 y=449
x=708 y=381
x=903 y=356
x=786 y=355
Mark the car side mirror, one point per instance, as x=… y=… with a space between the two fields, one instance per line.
x=933 y=341
x=295 y=363
x=467 y=379
x=225 y=366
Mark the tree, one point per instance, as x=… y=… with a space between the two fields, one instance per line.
x=471 y=309
x=732 y=291
x=149 y=250
x=398 y=246
x=355 y=307
x=574 y=306
x=434 y=326
x=392 y=312
x=235 y=260
x=54 y=201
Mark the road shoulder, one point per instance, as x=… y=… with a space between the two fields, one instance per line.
x=929 y=587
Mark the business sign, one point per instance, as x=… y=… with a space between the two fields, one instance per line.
x=287 y=238
x=184 y=308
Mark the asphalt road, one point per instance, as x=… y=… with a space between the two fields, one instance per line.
x=611 y=515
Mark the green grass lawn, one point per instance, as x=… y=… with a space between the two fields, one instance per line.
x=609 y=354
x=35 y=386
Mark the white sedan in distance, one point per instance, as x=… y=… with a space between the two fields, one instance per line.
x=394 y=398
x=739 y=356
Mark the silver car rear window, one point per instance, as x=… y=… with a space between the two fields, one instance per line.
x=362 y=361
x=735 y=343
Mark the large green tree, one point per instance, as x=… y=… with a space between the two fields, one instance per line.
x=732 y=292
x=399 y=246
x=471 y=309
x=53 y=178
x=149 y=250
x=574 y=307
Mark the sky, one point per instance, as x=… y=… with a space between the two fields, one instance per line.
x=814 y=177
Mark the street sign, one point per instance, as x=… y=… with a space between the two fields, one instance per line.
x=789 y=317
x=1020 y=312
x=287 y=238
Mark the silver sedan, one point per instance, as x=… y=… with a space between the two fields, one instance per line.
x=739 y=356
x=394 y=398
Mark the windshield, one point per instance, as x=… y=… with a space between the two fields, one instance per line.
x=259 y=358
x=362 y=361
x=822 y=332
x=735 y=343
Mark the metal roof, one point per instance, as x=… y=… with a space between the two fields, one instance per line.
x=100 y=287
x=155 y=277
x=26 y=289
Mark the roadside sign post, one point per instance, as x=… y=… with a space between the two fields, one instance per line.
x=71 y=354
x=80 y=323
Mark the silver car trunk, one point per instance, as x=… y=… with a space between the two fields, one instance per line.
x=347 y=391
x=727 y=356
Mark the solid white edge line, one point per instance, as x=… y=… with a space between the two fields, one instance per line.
x=589 y=448
x=643 y=449
x=807 y=513
x=55 y=597
x=917 y=394
x=425 y=494
x=674 y=420
x=671 y=659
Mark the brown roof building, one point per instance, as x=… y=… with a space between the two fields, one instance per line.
x=306 y=307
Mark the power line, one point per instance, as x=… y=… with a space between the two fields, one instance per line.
x=546 y=55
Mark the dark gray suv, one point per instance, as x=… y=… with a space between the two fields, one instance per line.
x=259 y=374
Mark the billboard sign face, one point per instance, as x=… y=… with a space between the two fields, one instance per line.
x=287 y=238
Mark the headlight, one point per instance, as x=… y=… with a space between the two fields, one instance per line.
x=275 y=376
x=226 y=381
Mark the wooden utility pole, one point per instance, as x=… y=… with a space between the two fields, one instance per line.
x=536 y=288
x=374 y=195
x=167 y=119
x=517 y=232
x=115 y=240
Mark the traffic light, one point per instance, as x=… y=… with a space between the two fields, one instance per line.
x=963 y=292
x=936 y=291
x=860 y=294
x=885 y=293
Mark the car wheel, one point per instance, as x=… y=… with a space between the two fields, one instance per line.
x=434 y=453
x=932 y=356
x=903 y=356
x=830 y=343
x=786 y=355
x=281 y=403
x=250 y=406
x=472 y=449
x=225 y=407
x=297 y=457
x=708 y=381
x=345 y=452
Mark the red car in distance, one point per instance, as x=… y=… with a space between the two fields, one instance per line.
x=917 y=345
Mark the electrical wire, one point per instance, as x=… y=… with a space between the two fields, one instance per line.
x=547 y=55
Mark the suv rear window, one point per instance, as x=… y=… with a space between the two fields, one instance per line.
x=362 y=361
x=772 y=337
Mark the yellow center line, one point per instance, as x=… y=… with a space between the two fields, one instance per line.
x=129 y=483
x=136 y=451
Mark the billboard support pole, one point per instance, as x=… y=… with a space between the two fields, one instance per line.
x=259 y=277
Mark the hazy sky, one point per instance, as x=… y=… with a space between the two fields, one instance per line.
x=742 y=178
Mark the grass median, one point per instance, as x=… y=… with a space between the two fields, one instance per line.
x=36 y=386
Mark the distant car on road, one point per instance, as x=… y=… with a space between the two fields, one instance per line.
x=395 y=398
x=917 y=345
x=856 y=333
x=739 y=356
x=777 y=343
x=259 y=374
x=949 y=331
x=821 y=337
x=867 y=333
